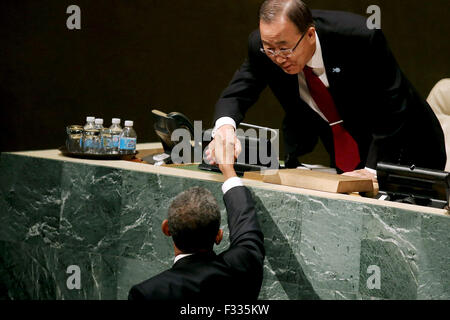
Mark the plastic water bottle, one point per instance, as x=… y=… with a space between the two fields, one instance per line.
x=87 y=140
x=106 y=140
x=128 y=137
x=115 y=131
x=97 y=140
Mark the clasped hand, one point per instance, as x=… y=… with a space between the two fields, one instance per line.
x=225 y=148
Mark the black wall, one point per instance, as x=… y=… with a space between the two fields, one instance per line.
x=175 y=55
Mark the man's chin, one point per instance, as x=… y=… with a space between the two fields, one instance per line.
x=290 y=70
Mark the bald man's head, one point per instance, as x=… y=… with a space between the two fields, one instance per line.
x=294 y=10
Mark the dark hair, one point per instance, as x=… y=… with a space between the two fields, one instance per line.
x=194 y=220
x=295 y=10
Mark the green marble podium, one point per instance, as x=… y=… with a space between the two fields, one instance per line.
x=104 y=217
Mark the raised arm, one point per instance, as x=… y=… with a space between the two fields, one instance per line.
x=246 y=238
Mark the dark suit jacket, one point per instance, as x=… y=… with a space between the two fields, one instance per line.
x=234 y=274
x=380 y=108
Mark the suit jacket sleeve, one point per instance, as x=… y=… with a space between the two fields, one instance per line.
x=246 y=238
x=244 y=88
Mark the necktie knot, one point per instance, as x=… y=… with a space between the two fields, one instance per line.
x=307 y=69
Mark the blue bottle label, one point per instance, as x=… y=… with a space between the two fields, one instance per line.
x=127 y=144
x=88 y=143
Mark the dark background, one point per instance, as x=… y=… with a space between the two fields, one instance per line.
x=131 y=56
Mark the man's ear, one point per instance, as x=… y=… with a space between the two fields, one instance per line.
x=311 y=33
x=165 y=228
x=219 y=236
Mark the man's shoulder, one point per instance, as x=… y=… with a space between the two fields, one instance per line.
x=328 y=23
x=150 y=288
x=163 y=276
x=340 y=22
x=343 y=18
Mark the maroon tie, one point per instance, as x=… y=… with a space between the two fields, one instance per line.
x=346 y=152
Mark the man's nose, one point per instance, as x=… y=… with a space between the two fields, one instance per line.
x=280 y=59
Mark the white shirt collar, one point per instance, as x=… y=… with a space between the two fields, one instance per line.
x=316 y=61
x=181 y=256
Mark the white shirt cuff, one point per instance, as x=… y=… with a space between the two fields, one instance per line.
x=373 y=171
x=231 y=183
x=221 y=122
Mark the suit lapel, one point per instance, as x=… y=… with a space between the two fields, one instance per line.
x=329 y=60
x=333 y=62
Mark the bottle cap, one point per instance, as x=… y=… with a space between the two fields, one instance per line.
x=115 y=121
x=128 y=123
x=99 y=121
x=90 y=119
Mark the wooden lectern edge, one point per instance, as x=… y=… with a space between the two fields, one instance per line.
x=315 y=180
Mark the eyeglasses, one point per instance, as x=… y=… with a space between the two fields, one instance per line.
x=284 y=53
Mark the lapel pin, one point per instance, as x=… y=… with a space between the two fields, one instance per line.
x=336 y=70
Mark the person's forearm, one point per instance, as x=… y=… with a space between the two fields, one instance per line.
x=227 y=170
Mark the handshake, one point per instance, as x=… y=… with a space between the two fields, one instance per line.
x=224 y=150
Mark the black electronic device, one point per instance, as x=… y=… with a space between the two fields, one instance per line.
x=239 y=168
x=164 y=125
x=414 y=185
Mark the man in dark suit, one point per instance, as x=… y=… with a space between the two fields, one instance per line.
x=336 y=80
x=193 y=223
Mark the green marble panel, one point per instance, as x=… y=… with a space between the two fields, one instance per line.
x=397 y=279
x=98 y=275
x=330 y=243
x=30 y=272
x=336 y=295
x=91 y=208
x=282 y=234
x=434 y=258
x=27 y=272
x=390 y=241
x=30 y=199
x=141 y=217
x=272 y=289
